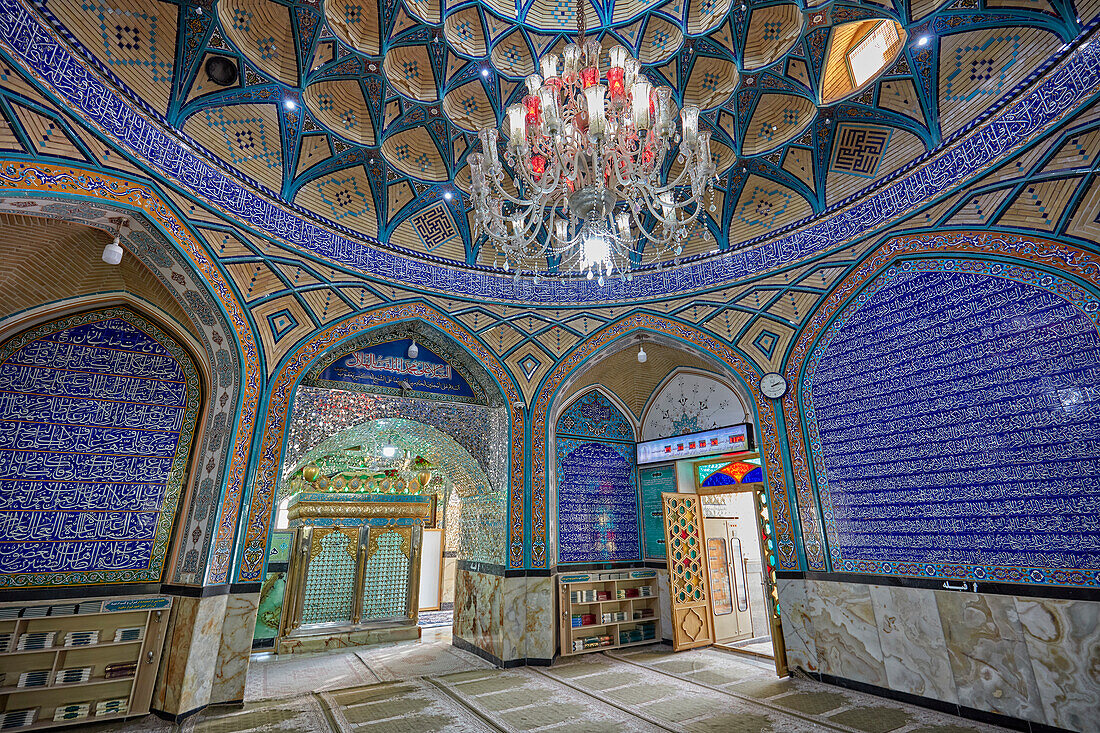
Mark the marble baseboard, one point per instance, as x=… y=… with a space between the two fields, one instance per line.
x=988 y=654
x=1033 y=660
x=238 y=628
x=798 y=625
x=914 y=650
x=514 y=614
x=1063 y=642
x=540 y=625
x=187 y=665
x=345 y=639
x=479 y=610
x=845 y=632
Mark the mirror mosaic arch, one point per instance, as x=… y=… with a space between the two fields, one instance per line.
x=212 y=509
x=1055 y=281
x=711 y=37
x=295 y=365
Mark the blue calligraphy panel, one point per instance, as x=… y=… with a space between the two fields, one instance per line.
x=959 y=424
x=593 y=416
x=597 y=502
x=97 y=413
x=387 y=365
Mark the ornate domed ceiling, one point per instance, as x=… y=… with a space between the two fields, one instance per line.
x=363 y=115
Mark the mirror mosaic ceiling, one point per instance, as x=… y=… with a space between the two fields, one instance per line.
x=362 y=116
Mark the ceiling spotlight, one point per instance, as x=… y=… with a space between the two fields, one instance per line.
x=112 y=253
x=447 y=195
x=289 y=104
x=485 y=72
x=923 y=41
x=642 y=356
x=389 y=451
x=413 y=350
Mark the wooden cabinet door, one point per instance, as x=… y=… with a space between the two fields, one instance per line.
x=687 y=571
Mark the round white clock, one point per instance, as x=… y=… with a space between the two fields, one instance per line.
x=773 y=385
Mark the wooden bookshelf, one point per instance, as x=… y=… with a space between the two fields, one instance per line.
x=617 y=608
x=104 y=615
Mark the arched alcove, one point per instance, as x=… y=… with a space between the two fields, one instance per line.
x=99 y=410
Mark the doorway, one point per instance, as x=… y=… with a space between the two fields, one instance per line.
x=735 y=572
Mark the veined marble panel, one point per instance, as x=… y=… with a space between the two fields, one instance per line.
x=187 y=665
x=1063 y=641
x=448 y=595
x=238 y=628
x=913 y=647
x=479 y=610
x=845 y=632
x=989 y=657
x=515 y=618
x=541 y=614
x=798 y=625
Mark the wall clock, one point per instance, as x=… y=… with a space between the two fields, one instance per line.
x=773 y=385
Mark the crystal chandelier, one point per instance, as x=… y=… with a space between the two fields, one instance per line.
x=586 y=153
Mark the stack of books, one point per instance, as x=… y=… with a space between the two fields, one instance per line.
x=119 y=669
x=614 y=617
x=9 y=612
x=603 y=595
x=129 y=633
x=82 y=638
x=36 y=611
x=5 y=640
x=583 y=596
x=34 y=678
x=75 y=711
x=591 y=642
x=111 y=707
x=64 y=609
x=89 y=607
x=646 y=591
x=35 y=640
x=72 y=675
x=17 y=718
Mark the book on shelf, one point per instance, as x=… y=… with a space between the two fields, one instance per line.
x=119 y=669
x=34 y=640
x=82 y=638
x=111 y=707
x=72 y=675
x=129 y=633
x=75 y=711
x=12 y=719
x=34 y=678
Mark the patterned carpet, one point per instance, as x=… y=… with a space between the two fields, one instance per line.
x=431 y=686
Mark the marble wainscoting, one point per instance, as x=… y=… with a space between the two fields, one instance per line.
x=238 y=628
x=187 y=665
x=1033 y=659
x=529 y=620
x=447 y=597
x=479 y=612
x=664 y=603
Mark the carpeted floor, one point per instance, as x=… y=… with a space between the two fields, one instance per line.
x=432 y=686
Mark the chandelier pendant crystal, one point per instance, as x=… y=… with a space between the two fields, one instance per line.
x=587 y=152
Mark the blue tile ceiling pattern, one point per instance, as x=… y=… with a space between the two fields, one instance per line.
x=340 y=238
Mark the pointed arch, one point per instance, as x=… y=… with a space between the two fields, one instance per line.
x=743 y=401
x=699 y=340
x=292 y=368
x=166 y=245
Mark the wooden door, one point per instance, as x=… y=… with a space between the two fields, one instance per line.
x=687 y=574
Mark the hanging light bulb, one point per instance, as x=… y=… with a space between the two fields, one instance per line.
x=413 y=350
x=112 y=253
x=642 y=356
